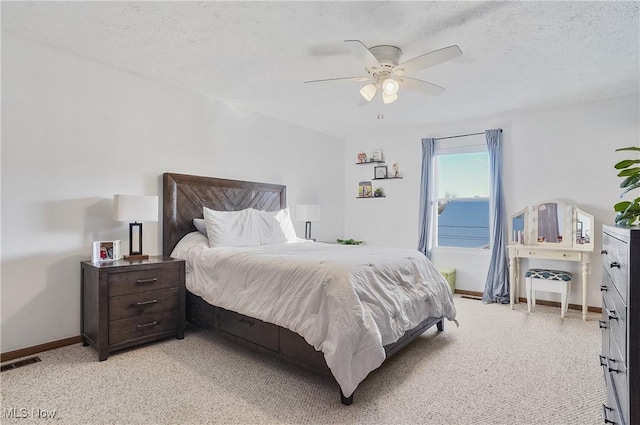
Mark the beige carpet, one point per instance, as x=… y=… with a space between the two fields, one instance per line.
x=499 y=367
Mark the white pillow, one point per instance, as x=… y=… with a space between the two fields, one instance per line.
x=231 y=228
x=200 y=225
x=275 y=227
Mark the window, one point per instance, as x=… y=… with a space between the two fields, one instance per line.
x=462 y=194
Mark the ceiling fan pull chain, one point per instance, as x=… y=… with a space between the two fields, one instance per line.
x=380 y=112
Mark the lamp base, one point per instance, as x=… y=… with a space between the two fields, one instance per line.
x=136 y=257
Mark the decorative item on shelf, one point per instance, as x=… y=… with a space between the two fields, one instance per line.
x=362 y=157
x=376 y=155
x=364 y=190
x=135 y=209
x=378 y=193
x=395 y=173
x=307 y=213
x=380 y=172
x=628 y=212
x=105 y=251
x=349 y=242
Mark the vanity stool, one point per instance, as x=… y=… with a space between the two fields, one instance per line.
x=548 y=280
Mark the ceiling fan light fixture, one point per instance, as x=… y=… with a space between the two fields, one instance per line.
x=389 y=98
x=368 y=91
x=390 y=86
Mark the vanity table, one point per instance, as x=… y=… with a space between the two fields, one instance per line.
x=551 y=230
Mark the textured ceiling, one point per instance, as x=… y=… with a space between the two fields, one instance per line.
x=256 y=55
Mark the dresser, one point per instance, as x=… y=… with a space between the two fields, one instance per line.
x=620 y=324
x=126 y=303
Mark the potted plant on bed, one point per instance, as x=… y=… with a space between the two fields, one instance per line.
x=628 y=212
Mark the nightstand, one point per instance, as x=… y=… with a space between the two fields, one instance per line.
x=126 y=303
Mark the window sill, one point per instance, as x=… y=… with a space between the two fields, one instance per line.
x=459 y=250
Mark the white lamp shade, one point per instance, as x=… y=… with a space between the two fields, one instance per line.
x=135 y=208
x=389 y=98
x=390 y=86
x=307 y=212
x=368 y=92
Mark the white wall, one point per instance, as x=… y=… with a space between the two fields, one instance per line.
x=556 y=153
x=75 y=132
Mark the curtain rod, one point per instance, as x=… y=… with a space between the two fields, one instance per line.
x=461 y=135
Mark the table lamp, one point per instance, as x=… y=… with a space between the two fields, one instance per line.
x=135 y=209
x=307 y=213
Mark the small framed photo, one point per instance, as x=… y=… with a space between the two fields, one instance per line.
x=362 y=157
x=104 y=251
x=380 y=172
x=364 y=190
x=376 y=155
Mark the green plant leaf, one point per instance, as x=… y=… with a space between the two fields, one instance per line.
x=626 y=163
x=621 y=206
x=630 y=181
x=629 y=172
x=630 y=148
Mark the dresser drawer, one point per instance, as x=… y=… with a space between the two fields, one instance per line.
x=616 y=313
x=142 y=325
x=548 y=254
x=143 y=280
x=618 y=371
x=248 y=328
x=611 y=411
x=615 y=257
x=143 y=303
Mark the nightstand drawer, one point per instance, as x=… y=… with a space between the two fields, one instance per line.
x=143 y=303
x=143 y=280
x=142 y=325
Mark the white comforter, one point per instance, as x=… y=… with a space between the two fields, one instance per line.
x=346 y=301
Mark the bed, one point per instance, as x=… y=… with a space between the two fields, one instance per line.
x=308 y=328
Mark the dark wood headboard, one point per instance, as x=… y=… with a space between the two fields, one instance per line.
x=185 y=195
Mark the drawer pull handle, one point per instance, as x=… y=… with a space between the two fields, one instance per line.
x=247 y=322
x=606 y=409
x=143 y=281
x=604 y=288
x=613 y=370
x=146 y=325
x=611 y=314
x=604 y=252
x=147 y=302
x=614 y=264
x=603 y=324
x=603 y=361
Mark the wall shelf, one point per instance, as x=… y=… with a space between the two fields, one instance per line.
x=386 y=178
x=370 y=197
x=369 y=162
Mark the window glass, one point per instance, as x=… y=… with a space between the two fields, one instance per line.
x=462 y=193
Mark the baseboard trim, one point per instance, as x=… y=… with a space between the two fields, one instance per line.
x=29 y=351
x=541 y=302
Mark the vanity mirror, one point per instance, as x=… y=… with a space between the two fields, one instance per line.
x=584 y=228
x=552 y=221
x=518 y=230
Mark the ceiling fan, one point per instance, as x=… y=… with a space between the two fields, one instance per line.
x=386 y=73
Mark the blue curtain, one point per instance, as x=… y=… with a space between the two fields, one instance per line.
x=496 y=288
x=426 y=197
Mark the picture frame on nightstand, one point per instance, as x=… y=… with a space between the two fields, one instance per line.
x=106 y=251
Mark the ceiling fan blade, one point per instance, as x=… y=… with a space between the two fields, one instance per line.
x=363 y=53
x=367 y=78
x=420 y=86
x=428 y=60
